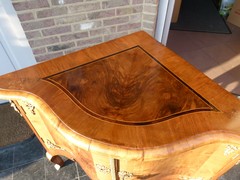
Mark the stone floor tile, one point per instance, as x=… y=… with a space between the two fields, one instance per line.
x=217 y=55
x=67 y=172
x=6 y=159
x=84 y=178
x=28 y=152
x=232 y=174
x=6 y=175
x=31 y=171
x=80 y=170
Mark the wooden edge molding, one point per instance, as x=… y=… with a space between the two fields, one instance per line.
x=119 y=151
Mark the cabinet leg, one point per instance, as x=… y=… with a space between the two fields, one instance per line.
x=57 y=160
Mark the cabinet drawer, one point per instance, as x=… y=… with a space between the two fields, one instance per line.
x=202 y=163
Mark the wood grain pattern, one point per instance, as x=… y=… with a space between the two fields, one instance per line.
x=122 y=87
x=129 y=108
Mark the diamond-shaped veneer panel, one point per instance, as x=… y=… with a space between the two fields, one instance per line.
x=129 y=87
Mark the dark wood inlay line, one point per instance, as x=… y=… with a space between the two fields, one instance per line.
x=214 y=108
x=129 y=88
x=46 y=78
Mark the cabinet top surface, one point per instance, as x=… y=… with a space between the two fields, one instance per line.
x=130 y=92
x=129 y=87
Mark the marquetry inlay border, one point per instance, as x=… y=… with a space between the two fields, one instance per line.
x=207 y=106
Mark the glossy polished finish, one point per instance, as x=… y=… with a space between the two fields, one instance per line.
x=124 y=86
x=129 y=108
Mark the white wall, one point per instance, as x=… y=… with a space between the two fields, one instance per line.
x=15 y=51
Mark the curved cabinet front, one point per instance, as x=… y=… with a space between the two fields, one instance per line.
x=129 y=108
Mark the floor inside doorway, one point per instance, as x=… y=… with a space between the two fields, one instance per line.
x=216 y=55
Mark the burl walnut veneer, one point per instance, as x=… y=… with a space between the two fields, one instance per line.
x=129 y=108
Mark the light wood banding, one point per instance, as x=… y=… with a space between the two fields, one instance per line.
x=129 y=108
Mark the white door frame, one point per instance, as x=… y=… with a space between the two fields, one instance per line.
x=13 y=41
x=13 y=37
x=164 y=17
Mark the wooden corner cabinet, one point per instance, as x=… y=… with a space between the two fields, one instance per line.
x=129 y=108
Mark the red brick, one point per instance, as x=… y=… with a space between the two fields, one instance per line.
x=59 y=47
x=74 y=36
x=56 y=30
x=70 y=19
x=152 y=1
x=43 y=42
x=129 y=26
x=117 y=20
x=93 y=41
x=83 y=7
x=101 y=14
x=148 y=25
x=26 y=16
x=149 y=17
x=52 y=12
x=129 y=10
x=87 y=25
x=38 y=51
x=114 y=36
x=33 y=4
x=37 y=24
x=33 y=34
x=115 y=3
x=136 y=17
x=137 y=1
x=48 y=56
x=57 y=2
x=103 y=31
x=149 y=9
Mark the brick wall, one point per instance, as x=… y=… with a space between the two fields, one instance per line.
x=58 y=27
